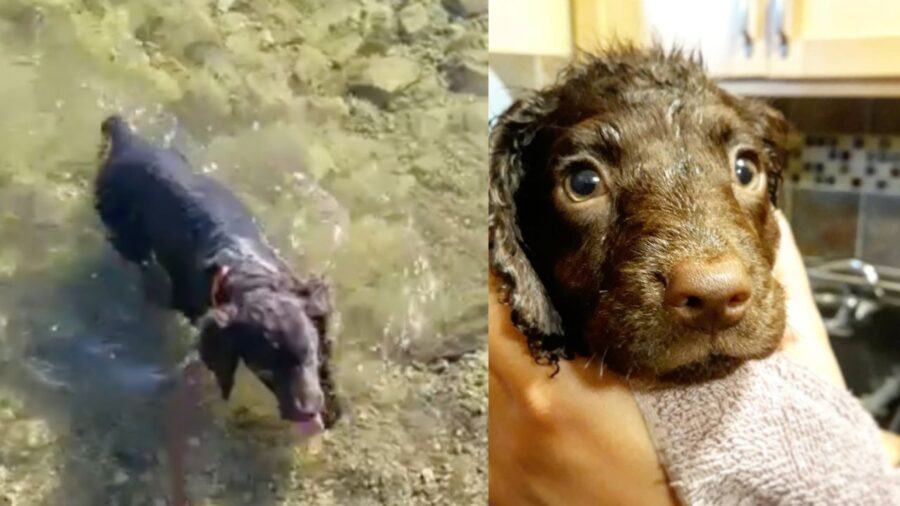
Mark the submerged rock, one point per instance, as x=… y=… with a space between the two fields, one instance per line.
x=429 y=123
x=341 y=49
x=224 y=5
x=467 y=72
x=380 y=79
x=120 y=478
x=413 y=19
x=466 y=8
x=30 y=434
x=380 y=24
x=311 y=64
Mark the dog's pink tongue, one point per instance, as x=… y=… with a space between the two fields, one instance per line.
x=311 y=427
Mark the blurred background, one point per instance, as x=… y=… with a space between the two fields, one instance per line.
x=831 y=67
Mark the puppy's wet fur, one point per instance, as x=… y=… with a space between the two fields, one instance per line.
x=590 y=277
x=224 y=275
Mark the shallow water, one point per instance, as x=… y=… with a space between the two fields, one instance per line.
x=384 y=198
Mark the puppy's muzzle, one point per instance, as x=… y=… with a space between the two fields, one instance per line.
x=709 y=296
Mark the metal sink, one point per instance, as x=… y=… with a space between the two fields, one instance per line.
x=861 y=307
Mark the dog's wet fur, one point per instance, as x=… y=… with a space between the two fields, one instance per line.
x=589 y=278
x=157 y=209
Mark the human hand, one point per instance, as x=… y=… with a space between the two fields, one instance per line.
x=575 y=439
x=805 y=340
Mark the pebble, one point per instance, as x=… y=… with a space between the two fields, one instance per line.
x=120 y=478
x=267 y=38
x=428 y=476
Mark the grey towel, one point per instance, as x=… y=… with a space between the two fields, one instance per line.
x=771 y=433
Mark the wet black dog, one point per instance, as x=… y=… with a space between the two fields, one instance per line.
x=225 y=277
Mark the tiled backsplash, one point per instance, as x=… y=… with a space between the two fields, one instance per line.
x=842 y=195
x=845 y=162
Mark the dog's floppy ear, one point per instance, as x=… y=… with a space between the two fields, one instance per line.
x=317 y=294
x=317 y=299
x=218 y=349
x=772 y=128
x=514 y=130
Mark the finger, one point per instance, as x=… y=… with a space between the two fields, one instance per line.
x=789 y=269
x=508 y=355
x=790 y=272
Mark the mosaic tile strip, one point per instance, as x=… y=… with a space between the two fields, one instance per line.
x=857 y=163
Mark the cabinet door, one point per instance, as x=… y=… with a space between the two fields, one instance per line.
x=835 y=39
x=730 y=33
x=529 y=27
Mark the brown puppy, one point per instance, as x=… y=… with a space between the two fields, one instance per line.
x=631 y=218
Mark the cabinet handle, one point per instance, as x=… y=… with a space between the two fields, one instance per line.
x=781 y=35
x=744 y=23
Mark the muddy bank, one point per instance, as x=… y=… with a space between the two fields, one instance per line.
x=356 y=130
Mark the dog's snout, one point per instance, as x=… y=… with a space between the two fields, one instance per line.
x=709 y=295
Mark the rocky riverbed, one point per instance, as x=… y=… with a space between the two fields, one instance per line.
x=357 y=131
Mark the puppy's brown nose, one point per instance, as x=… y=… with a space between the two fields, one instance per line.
x=709 y=295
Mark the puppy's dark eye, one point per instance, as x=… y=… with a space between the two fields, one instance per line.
x=583 y=182
x=746 y=169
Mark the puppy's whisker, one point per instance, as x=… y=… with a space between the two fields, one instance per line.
x=603 y=361
x=589 y=360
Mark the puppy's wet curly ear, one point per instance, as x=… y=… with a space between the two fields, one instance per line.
x=218 y=350
x=773 y=129
x=513 y=132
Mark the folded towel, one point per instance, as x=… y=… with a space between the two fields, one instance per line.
x=770 y=433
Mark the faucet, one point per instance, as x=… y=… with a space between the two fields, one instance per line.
x=853 y=308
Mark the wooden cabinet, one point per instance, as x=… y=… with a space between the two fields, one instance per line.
x=731 y=34
x=788 y=40
x=529 y=41
x=530 y=27
x=835 y=39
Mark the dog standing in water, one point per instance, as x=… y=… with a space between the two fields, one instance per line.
x=225 y=277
